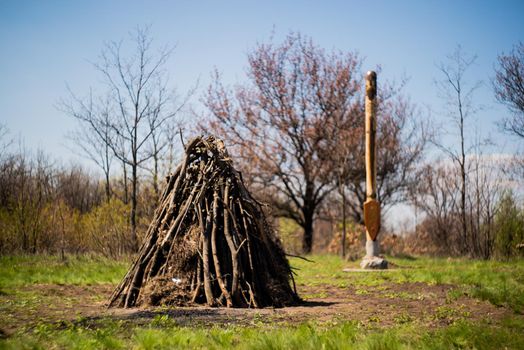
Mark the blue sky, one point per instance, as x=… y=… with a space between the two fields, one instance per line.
x=46 y=45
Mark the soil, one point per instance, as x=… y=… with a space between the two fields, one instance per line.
x=382 y=306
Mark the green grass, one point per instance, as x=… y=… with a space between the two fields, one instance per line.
x=501 y=283
x=17 y=271
x=330 y=335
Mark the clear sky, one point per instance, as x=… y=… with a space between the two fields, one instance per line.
x=45 y=45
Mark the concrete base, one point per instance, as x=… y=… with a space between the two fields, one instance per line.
x=374 y=262
x=372 y=259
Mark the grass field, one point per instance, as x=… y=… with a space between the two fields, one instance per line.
x=422 y=303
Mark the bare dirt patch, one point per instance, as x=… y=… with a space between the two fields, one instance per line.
x=28 y=306
x=385 y=305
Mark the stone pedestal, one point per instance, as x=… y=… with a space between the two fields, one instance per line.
x=372 y=260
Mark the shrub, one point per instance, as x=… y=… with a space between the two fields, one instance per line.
x=107 y=228
x=509 y=228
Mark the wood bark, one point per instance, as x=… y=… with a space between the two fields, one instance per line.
x=371 y=206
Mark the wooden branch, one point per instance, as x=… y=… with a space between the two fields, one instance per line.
x=209 y=232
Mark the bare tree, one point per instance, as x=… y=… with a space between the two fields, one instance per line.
x=157 y=147
x=139 y=100
x=90 y=137
x=483 y=199
x=278 y=122
x=459 y=195
x=508 y=85
x=458 y=97
x=436 y=193
x=299 y=126
x=163 y=140
x=5 y=141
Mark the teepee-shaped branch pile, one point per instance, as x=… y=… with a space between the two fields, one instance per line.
x=209 y=242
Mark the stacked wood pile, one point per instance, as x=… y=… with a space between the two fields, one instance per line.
x=209 y=242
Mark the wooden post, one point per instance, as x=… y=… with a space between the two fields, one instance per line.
x=371 y=206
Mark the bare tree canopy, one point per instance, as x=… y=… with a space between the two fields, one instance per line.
x=298 y=118
x=459 y=194
x=5 y=141
x=127 y=119
x=90 y=137
x=509 y=88
x=277 y=122
x=457 y=95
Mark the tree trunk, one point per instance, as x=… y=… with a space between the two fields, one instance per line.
x=107 y=170
x=462 y=175
x=307 y=241
x=108 y=187
x=134 y=184
x=156 y=188
x=343 y=240
x=126 y=192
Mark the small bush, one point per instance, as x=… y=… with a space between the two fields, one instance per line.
x=509 y=228
x=107 y=228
